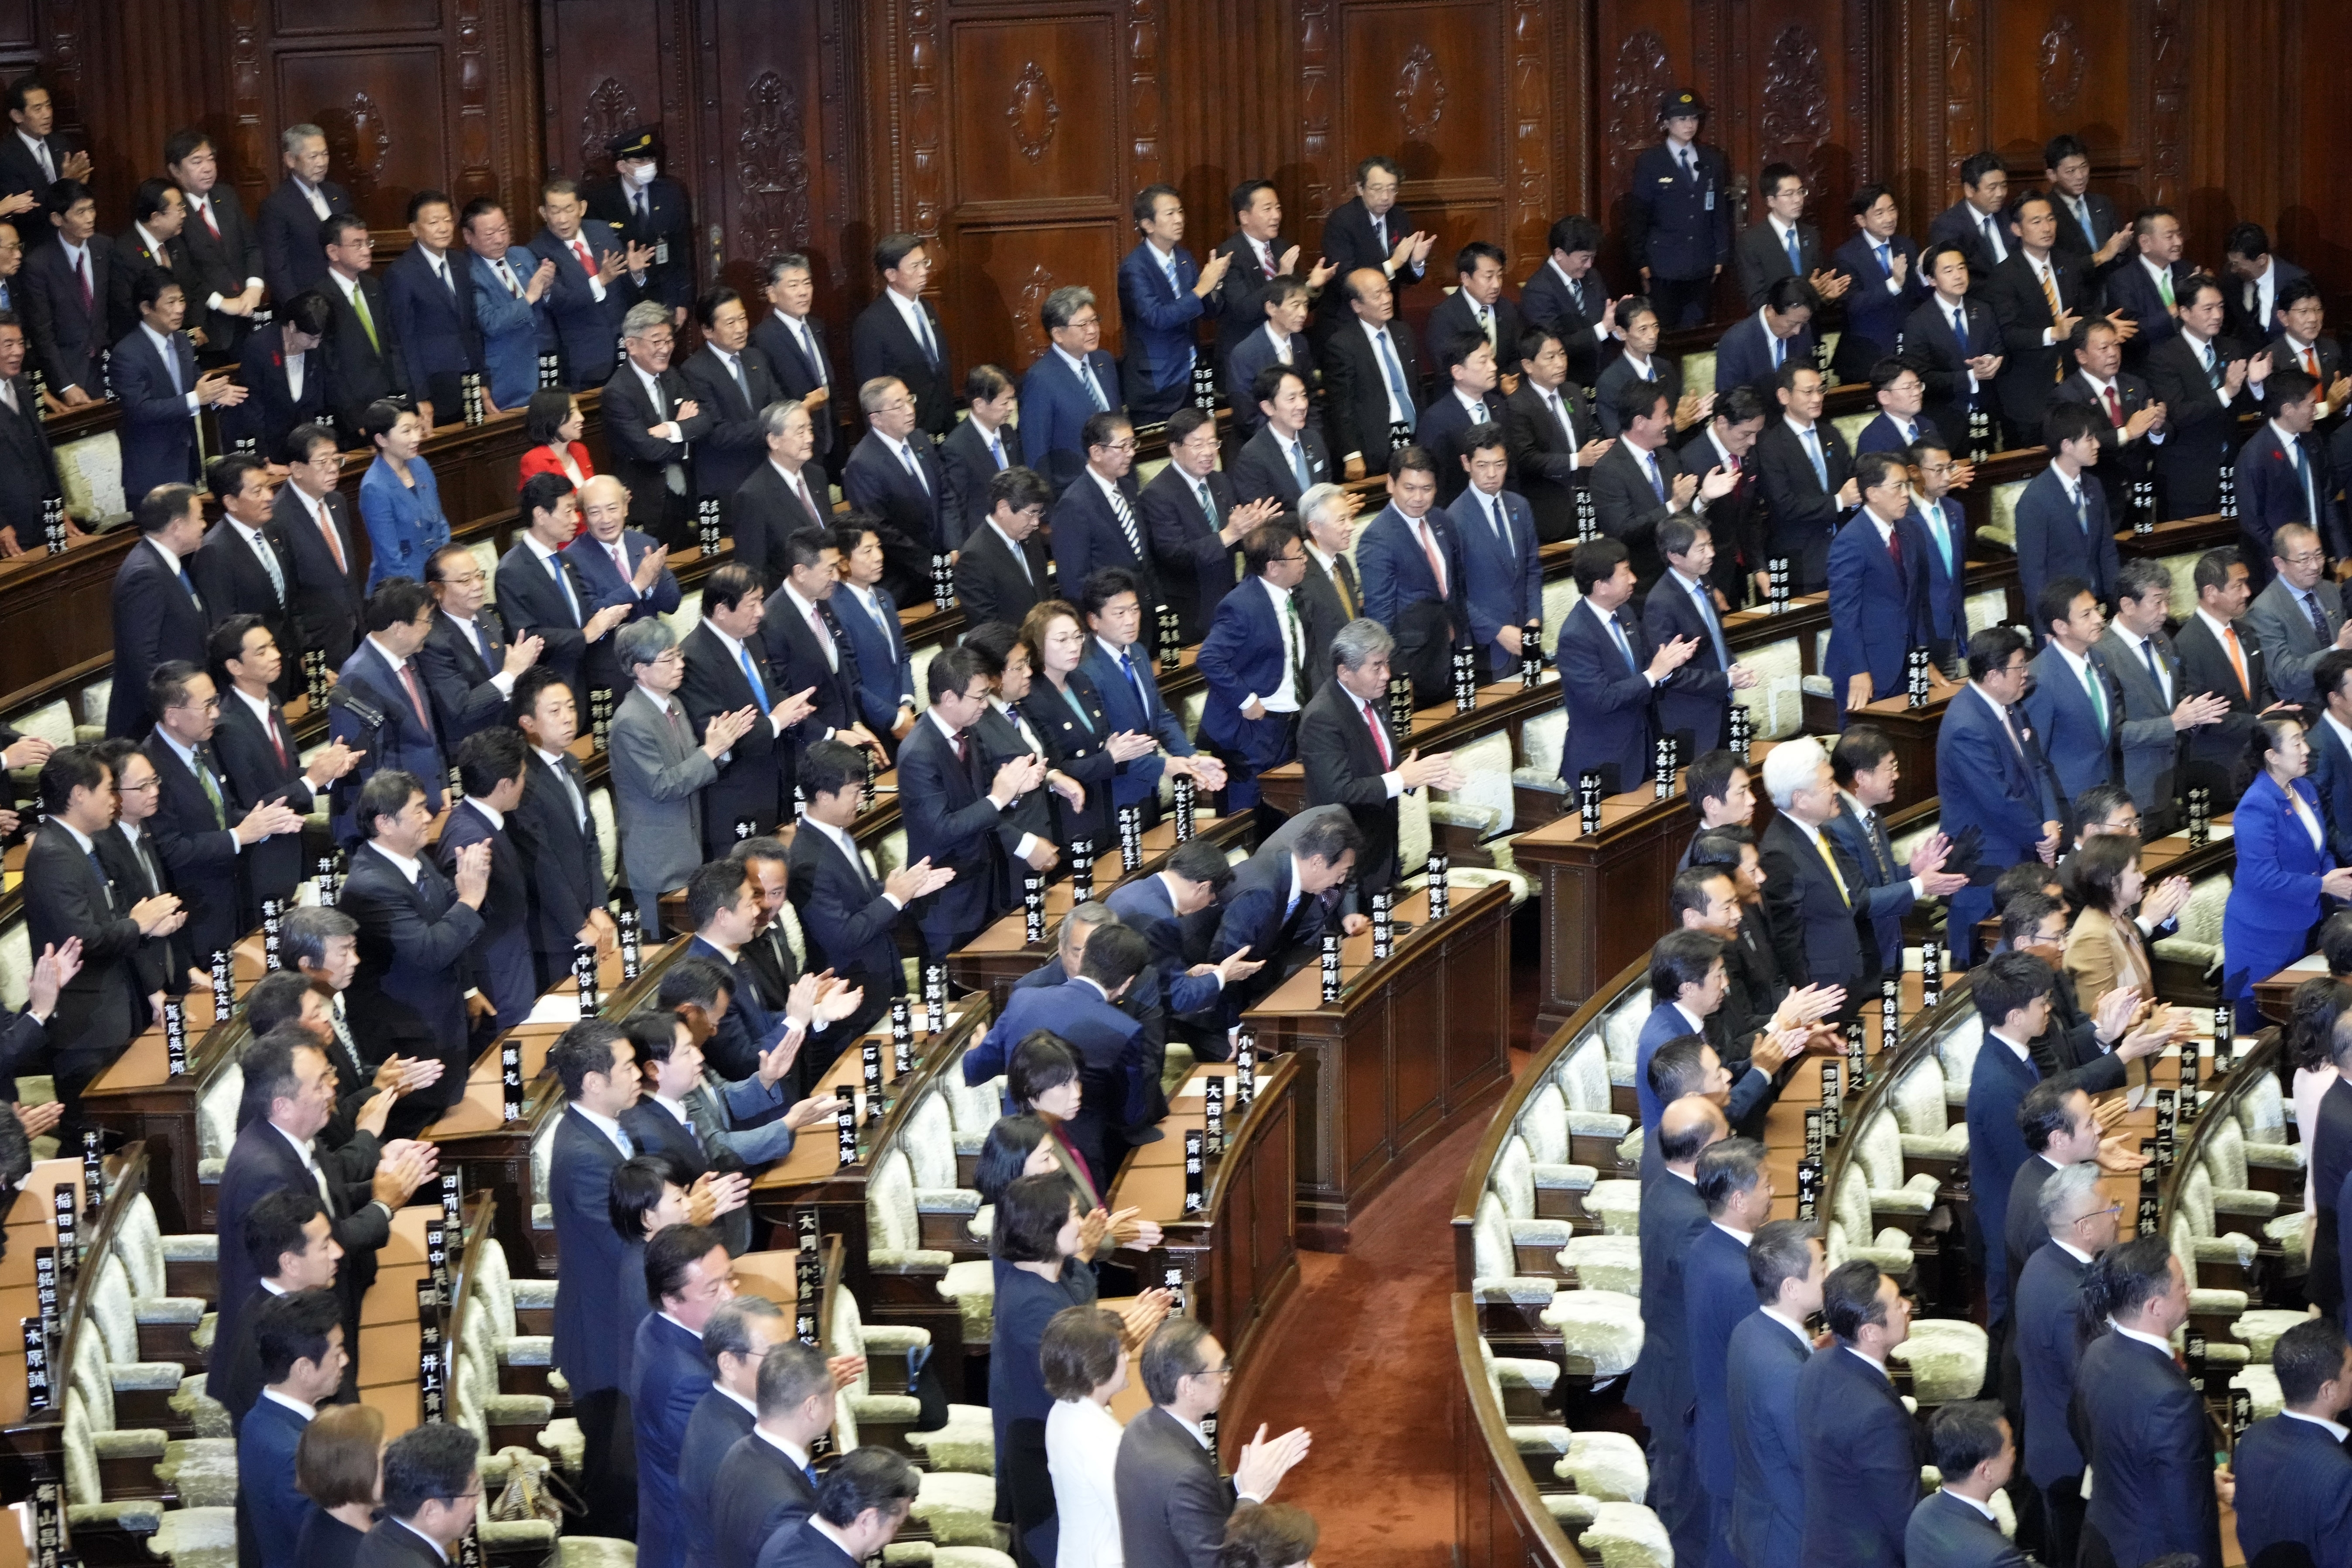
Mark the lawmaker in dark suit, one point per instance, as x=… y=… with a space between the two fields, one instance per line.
x=1672 y=1216
x=1781 y=332
x=1354 y=757
x=1809 y=881
x=67 y=282
x=1475 y=311
x=1172 y=1502
x=1717 y=1296
x=159 y=614
x=1767 y=1353
x=870 y=617
x=1946 y=528
x=555 y=831
x=2086 y=220
x=2284 y=474
x=1877 y=303
x=2075 y=702
x=765 y=1485
x=1001 y=572
x=2074 y=1224
x=222 y=246
x=1274 y=907
x=592 y=292
x=1949 y=1531
x=68 y=895
x=1119 y=666
x=1807 y=478
x=431 y=291
x=255 y=749
x=794 y=342
x=28 y=468
x=1861 y=1450
x=895 y=477
x=2331 y=759
x=652 y=421
x=1694 y=702
x=1257 y=259
x=1068 y=386
x=364 y=358
x=1639 y=360
x=466 y=662
x=1548 y=427
x=1567 y=297
x=1255 y=656
x=731 y=380
x=1467 y=401
x=726 y=671
x=1494 y=530
x=669 y=1375
x=314 y=522
x=201 y=828
x=1635 y=484
x=1097 y=523
x=542 y=593
x=781 y=495
x=155 y=381
x=1878 y=585
x=1372 y=374
x=492 y=769
x=950 y=812
x=806 y=649
x=152 y=244
x=1160 y=296
x=245 y=567
x=1287 y=456
x=1609 y=673
x=2144 y=1422
x=2221 y=656
x=302 y=1358
x=1114 y=1060
x=2012 y=1001
x=899 y=335
x=1428 y=615
x=1946 y=337
x=2033 y=344
x=291 y=213
x=737 y=1338
x=2126 y=433
x=1991 y=772
x=847 y=913
x=31 y=156
x=291 y=345
x=2205 y=382
x=2063 y=526
x=1194 y=538
x=1276 y=341
x=2149 y=280
x=2293 y=1501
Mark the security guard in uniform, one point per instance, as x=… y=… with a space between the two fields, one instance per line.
x=647 y=207
x=1681 y=214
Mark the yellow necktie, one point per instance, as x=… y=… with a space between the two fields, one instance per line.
x=1829 y=856
x=359 y=305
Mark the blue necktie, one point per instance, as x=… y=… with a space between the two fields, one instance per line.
x=752 y=674
x=1779 y=348
x=1396 y=379
x=172 y=367
x=1814 y=450
x=1960 y=328
x=1942 y=536
x=995 y=450
x=1885 y=264
x=1094 y=387
x=1126 y=657
x=810 y=1471
x=104 y=883
x=1657 y=480
x=562 y=581
x=2303 y=479
x=190 y=585
x=1298 y=463
x=1618 y=632
x=1795 y=265
x=1713 y=632
x=628 y=1144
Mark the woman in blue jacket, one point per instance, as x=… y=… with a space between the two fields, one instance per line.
x=2285 y=873
x=399 y=502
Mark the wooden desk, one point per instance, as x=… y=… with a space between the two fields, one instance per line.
x=389 y=1355
x=1504 y=705
x=1417 y=1043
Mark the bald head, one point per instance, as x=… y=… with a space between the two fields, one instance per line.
x=604 y=504
x=1368 y=293
x=1686 y=1127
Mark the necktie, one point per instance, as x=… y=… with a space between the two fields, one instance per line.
x=2147 y=651
x=2303 y=479
x=825 y=640
x=269 y=557
x=2163 y=285
x=563 y=581
x=2009 y=728
x=1502 y=527
x=1960 y=328
x=1560 y=414
x=8 y=394
x=1021 y=559
x=2114 y=409
x=621 y=565
x=961 y=748
x=1297 y=636
x=2310 y=363
x=1992 y=241
x=171 y=355
x=810 y=1471
x=923 y=336
x=344 y=1036
x=1829 y=859
x=1690 y=166
x=507 y=276
x=800 y=489
x=1167 y=266
x=318 y=202
x=1894 y=548
x=1714 y=631
x=1487 y=323
x=448 y=279
x=567 y=772
x=277 y=736
x=1814 y=450
x=1381 y=232
x=1657 y=480
x=1943 y=539
x=1429 y=553
x=2092 y=684
x=752 y=674
x=49 y=168
x=735 y=372
x=211 y=787
x=1135 y=681
x=1911 y=432
x=326 y=527
x=2083 y=216
x=2318 y=619
x=996 y=450
x=189 y=583
x=1208 y=505
x=2237 y=661
x=2050 y=291
x=628 y=1144
x=1396 y=378
x=1795 y=264
x=105 y=886
x=416 y=695
x=482 y=640
x=1265 y=256
x=81 y=277
x=641 y=206
x=1126 y=515
x=907 y=456
x=1885 y=262
x=367 y=319
x=2083 y=510
x=1094 y=387
x=580 y=251
x=1617 y=631
x=2212 y=364
x=1344 y=573
x=1298 y=463
x=1380 y=735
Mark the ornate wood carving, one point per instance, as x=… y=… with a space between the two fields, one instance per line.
x=610 y=109
x=2061 y=64
x=1143 y=100
x=1420 y=92
x=246 y=156
x=360 y=140
x=926 y=172
x=1796 y=120
x=1532 y=195
x=61 y=60
x=475 y=174
x=1641 y=75
x=2169 y=78
x=1032 y=111
x=771 y=170
x=1962 y=112
x=1314 y=89
x=1028 y=324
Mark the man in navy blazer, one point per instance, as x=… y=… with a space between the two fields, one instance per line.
x=255 y=750
x=1945 y=527
x=1672 y=1215
x=1762 y=1361
x=2295 y=1479
x=1117 y=1066
x=1717 y=1296
x=1428 y=616
x=1068 y=386
x=687 y=1270
x=616 y=563
x=2012 y=994
x=1809 y=881
x=2063 y=527
x=725 y=672
x=1162 y=292
x=2154 y=1490
x=1867 y=770
x=1254 y=662
x=2035 y=332
x=1954 y=1527
x=291 y=213
x=1878 y=587
x=1781 y=332
x=201 y=826
x=156 y=383
x=899 y=335
x=1992 y=775
x=1466 y=368
x=2076 y=702
x=2284 y=474
x=1860 y=1446
x=1886 y=285
x=1609 y=672
x=1275 y=907
x=1896 y=384
x=870 y=617
x=543 y=592
x=893 y=475
x=1278 y=339
x=159 y=613
x=1694 y=702
x=2152 y=287
x=556 y=831
x=65 y=282
x=431 y=291
x=2077 y=1222
x=1958 y=358
x=491 y=768
x=510 y=287
x=724 y=907
x=738 y=1338
x=597 y=282
x=1098 y=521
x=394 y=727
x=847 y=913
x=299 y=1338
x=1119 y=664
x=951 y=813
x=1496 y=531
x=1175 y=908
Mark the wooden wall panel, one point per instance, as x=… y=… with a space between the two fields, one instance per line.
x=1032 y=115
x=353 y=96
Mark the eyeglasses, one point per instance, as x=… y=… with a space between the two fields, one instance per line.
x=2100 y=1214
x=2305 y=558
x=463 y=579
x=1126 y=446
x=141 y=788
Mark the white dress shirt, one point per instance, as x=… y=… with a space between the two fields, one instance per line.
x=1283 y=698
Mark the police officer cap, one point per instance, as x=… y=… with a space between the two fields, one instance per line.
x=634 y=144
x=1681 y=101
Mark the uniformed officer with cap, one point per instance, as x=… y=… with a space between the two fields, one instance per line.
x=1681 y=214
x=646 y=208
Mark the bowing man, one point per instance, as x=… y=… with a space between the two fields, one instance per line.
x=1609 y=672
x=1275 y=909
x=1954 y=1527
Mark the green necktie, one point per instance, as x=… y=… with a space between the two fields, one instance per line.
x=212 y=791
x=2098 y=699
x=2163 y=285
x=359 y=304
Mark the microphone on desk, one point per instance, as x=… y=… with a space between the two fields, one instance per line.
x=341 y=696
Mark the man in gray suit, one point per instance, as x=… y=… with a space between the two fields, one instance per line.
x=1172 y=1502
x=2300 y=616
x=659 y=772
x=2157 y=705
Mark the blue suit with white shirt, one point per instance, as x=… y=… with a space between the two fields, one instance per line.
x=159 y=425
x=1245 y=654
x=1749 y=355
x=1984 y=782
x=2078 y=730
x=1877 y=605
x=1056 y=404
x=2057 y=537
x=514 y=331
x=885 y=670
x=1945 y=612
x=1504 y=572
x=1161 y=340
x=1117 y=682
x=1698 y=697
x=1884 y=434
x=605 y=584
x=1608 y=697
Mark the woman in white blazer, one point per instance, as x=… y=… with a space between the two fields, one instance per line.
x=1084 y=1358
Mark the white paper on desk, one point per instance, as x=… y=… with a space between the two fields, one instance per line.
x=1194 y=1087
x=557 y=1007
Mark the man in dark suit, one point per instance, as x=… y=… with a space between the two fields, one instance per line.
x=723 y=903
x=542 y=593
x=1992 y=775
x=1763 y=1360
x=1672 y=1215
x=1718 y=455
x=1954 y=340
x=1068 y=386
x=847 y=913
x=1255 y=257
x=2331 y=1162
x=34 y=159
x=291 y=213
x=727 y=672
x=1781 y=332
x=1550 y=436
x=225 y=280
x=466 y=662
x=289 y=1239
x=1809 y=880
x=738 y=1338
x=1693 y=703
x=28 y=470
x=1162 y=292
x=651 y=421
x=2130 y=424
x=2300 y=341
x=1477 y=310
x=1467 y=402
x=2075 y=1222
x=2063 y=528
x=1355 y=759
x=2144 y=1421
x=2151 y=288
x=1286 y=457
x=1496 y=531
x=1638 y=360
x=766 y=1481
x=364 y=362
x=2331 y=759
x=2014 y=998
x=418 y=930
x=2157 y=703
x=1280 y=339
x=808 y=650
x=66 y=284
x=2221 y=656
x=1878 y=579
x=555 y=831
x=1119 y=661
x=780 y=496
x=1807 y=478
x=2038 y=297
x=2257 y=281
x=619 y=566
x=432 y=1493
x=152 y=244
x=256 y=751
x=1410 y=561
x=1885 y=282
x=2088 y=228
x=951 y=815
x=1195 y=524
x=895 y=476
x=127 y=858
x=598 y=275
x=1098 y=521
x=1331 y=594
x=2205 y=381
x=1946 y=528
x=1117 y=1065
x=159 y=614
x=869 y=615
x=687 y=1268
x=1172 y=1502
x=983 y=444
x=2284 y=474
x=1860 y=1449
x=1954 y=1527
x=1609 y=672
x=314 y=522
x=284 y=375
x=1370 y=229
x=201 y=828
x=492 y=765
x=1974 y=222
x=2294 y=1500
x=1567 y=297
x=299 y=1338
x=245 y=566
x=1372 y=376
x=155 y=381
x=731 y=380
x=651 y=213
x=1255 y=663
x=1275 y=908
x=1717 y=1296
x=430 y=290
x=861 y=1504
x=899 y=335
x=1678 y=224
x=1866 y=769
x=794 y=342
x=1782 y=247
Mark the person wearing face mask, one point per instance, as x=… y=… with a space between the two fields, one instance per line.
x=651 y=213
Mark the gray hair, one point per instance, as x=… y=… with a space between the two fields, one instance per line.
x=1790 y=766
x=1316 y=501
x=1360 y=639
x=2064 y=1194
x=1093 y=912
x=642 y=318
x=871 y=394
x=775 y=267
x=729 y=1332
x=791 y=1374
x=643 y=642
x=777 y=415
x=292 y=139
x=1064 y=303
x=304 y=934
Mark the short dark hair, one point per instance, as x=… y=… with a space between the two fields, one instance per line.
x=1870 y=469
x=671 y=1254
x=2068 y=421
x=542 y=493
x=1081 y=1348
x=1184 y=421
x=1780 y=1251
x=585 y=1048
x=2021 y=915
x=2007 y=982
x=1147 y=202
x=1729 y=1167
x=1104 y=585
x=162 y=506
x=791 y=1374
x=2099 y=802
x=303 y=439
x=1723 y=846
x=711 y=887
x=2246 y=239
x=69 y=768
x=1790 y=293
x=1101 y=429
x=638 y=1186
x=1573 y=233
x=276 y=998
x=2056 y=602
x=1200 y=860
x=1678 y=1067
x=1681 y=958
x=1412 y=457
x=1677 y=534
x=1977 y=166
x=331 y=229
x=1992 y=648
x=708 y=305
x=67 y=194
x=294 y=1327
x=1740 y=404
x=548 y=410
x=2097 y=869
x=1030 y=1216
x=1933 y=256
x=1688 y=893
x=1861 y=749
x=1709 y=776
x=167 y=687
x=1888 y=369
x=2061 y=147
x=2335 y=942
x=428 y=198
x=431 y=1463
x=181 y=144
x=2294 y=292
x=2043 y=1114
x=1966 y=1434
x=2285 y=388
x=2125 y=1278
x=1266 y=385
x=1021 y=489
x=1005 y=1153
x=892 y=250
x=2212 y=569
x=396 y=602
x=1115 y=955
x=1171 y=1354
x=1639 y=399
x=1329 y=840
x=1595 y=562
x=1268 y=1535
x=386 y=794
x=1042 y=1061
x=487 y=758
x=148 y=199
x=274 y=1227
x=1850 y=1298
x=2306 y=1355
x=952 y=673
x=692 y=979
x=1246 y=192
x=871 y=1478
x=1262 y=546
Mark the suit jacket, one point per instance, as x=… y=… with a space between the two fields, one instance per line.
x=66 y=334
x=2292 y=645
x=1805 y=513
x=440 y=340
x=254 y=771
x=2200 y=425
x=658 y=774
x=1543 y=455
x=198 y=848
x=1144 y=711
x=1745 y=355
x=157 y=618
x=2270 y=492
x=238 y=583
x=1945 y=529
x=1505 y=577
x=1948 y=1532
x=1572 y=307
x=391 y=1544
x=1716 y=1298
x=2121 y=462
x=912 y=518
x=1762 y=1363
x=667 y=230
x=844 y=920
x=1243 y=293
x=1878 y=607
x=1357 y=386
x=1264 y=471
x=292 y=258
x=1172 y=1503
x=2131 y=289
x=886 y=673
x=68 y=894
x=1986 y=784
x=263 y=1161
x=20 y=172
x=1961 y=225
x=134 y=259
x=2028 y=367
x=457 y=674
x=802 y=663
x=881 y=344
x=641 y=460
x=566 y=862
x=669 y=1375
x=1882 y=895
x=608 y=587
x=1861 y=1462
x=504 y=963
x=718 y=1423
x=159 y=429
x=757 y=1493
x=1456 y=321
x=2331 y=1162
x=950 y=819
x=1159 y=322
x=2145 y=1427
x=799 y=373
x=1943 y=356
x=1402 y=594
x=1087 y=537
x=532 y=605
x=587 y=330
x=1803 y=898
x=1629 y=507
x=2149 y=746
x=1997 y=1152
x=1243 y=655
x=273 y=1506
x=28 y=468
x=361 y=369
x=1255 y=915
x=2284 y=353
x=328 y=597
x=1672 y=1218
x=2079 y=743
x=272 y=408
x=765 y=511
x=1253 y=354
x=2219 y=750
x=750 y=775
x=416 y=951
x=970 y=463
x=1697 y=697
x=732 y=444
x=591 y=1314
x=1112 y=1064
x=1178 y=943
x=1609 y=703
x=2294 y=1493
x=1195 y=568
x=2331 y=780
x=1678 y=225
x=1884 y=434
x=1764 y=259
x=514 y=331
x=2076 y=240
x=2047 y=1334
x=1345 y=767
x=1445 y=425
x=1055 y=408
x=1876 y=307
x=1666 y=374
x=1349 y=240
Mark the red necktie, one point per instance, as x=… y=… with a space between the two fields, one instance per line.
x=959 y=756
x=580 y=249
x=415 y=695
x=81 y=278
x=1379 y=736
x=334 y=545
x=2115 y=409
x=1894 y=547
x=1428 y=549
x=2311 y=364
x=204 y=203
x=276 y=740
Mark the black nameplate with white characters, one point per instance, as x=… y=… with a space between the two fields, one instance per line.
x=1196 y=1171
